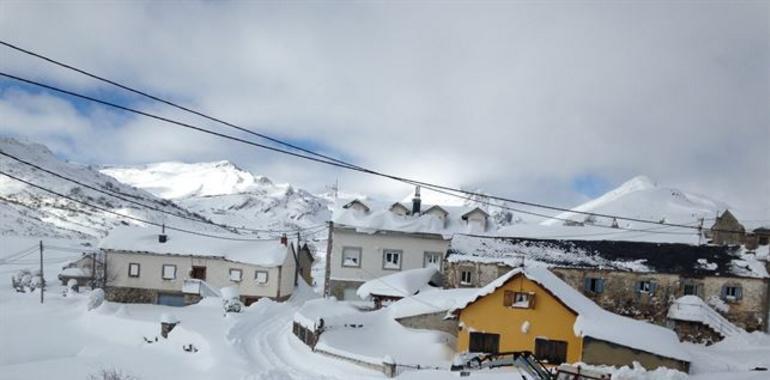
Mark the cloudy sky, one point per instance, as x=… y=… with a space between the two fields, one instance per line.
x=554 y=102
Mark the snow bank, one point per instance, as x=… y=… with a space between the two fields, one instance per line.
x=268 y=253
x=592 y=320
x=333 y=313
x=401 y=284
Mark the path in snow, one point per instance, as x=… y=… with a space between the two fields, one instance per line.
x=263 y=337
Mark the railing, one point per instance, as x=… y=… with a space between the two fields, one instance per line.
x=199 y=287
x=707 y=316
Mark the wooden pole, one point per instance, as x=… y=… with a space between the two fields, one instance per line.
x=327 y=274
x=42 y=277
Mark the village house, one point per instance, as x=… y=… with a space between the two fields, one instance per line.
x=180 y=268
x=727 y=230
x=531 y=309
x=371 y=239
x=87 y=270
x=635 y=279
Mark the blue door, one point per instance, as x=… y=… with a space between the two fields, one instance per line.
x=171 y=299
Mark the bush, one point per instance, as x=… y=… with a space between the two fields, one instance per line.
x=95 y=299
x=26 y=280
x=111 y=374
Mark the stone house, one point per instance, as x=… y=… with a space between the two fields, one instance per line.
x=180 y=268
x=634 y=279
x=531 y=309
x=371 y=239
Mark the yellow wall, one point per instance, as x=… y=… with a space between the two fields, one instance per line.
x=548 y=319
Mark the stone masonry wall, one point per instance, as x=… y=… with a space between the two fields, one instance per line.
x=620 y=295
x=432 y=321
x=337 y=287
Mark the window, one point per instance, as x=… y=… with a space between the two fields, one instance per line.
x=466 y=277
x=519 y=300
x=646 y=286
x=593 y=284
x=391 y=259
x=691 y=288
x=351 y=257
x=482 y=342
x=168 y=272
x=432 y=258
x=551 y=351
x=732 y=293
x=198 y=273
x=236 y=275
x=133 y=270
x=261 y=277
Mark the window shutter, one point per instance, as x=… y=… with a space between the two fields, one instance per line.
x=738 y=292
x=724 y=292
x=508 y=298
x=653 y=286
x=600 y=285
x=587 y=284
x=638 y=286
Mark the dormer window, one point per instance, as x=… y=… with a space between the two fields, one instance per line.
x=357 y=206
x=399 y=209
x=476 y=220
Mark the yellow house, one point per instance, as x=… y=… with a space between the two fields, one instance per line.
x=530 y=309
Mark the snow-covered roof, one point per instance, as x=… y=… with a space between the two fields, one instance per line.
x=429 y=300
x=75 y=272
x=694 y=309
x=593 y=321
x=267 y=253
x=328 y=309
x=400 y=284
x=379 y=217
x=612 y=255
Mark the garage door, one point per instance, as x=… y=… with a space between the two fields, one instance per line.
x=171 y=299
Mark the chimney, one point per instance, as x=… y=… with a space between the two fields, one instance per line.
x=284 y=240
x=416 y=201
x=162 y=238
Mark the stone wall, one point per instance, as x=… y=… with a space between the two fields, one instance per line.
x=604 y=353
x=432 y=321
x=137 y=295
x=695 y=332
x=620 y=295
x=337 y=287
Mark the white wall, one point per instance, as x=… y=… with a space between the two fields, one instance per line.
x=217 y=273
x=372 y=245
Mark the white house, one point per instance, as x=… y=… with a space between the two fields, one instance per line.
x=373 y=239
x=178 y=268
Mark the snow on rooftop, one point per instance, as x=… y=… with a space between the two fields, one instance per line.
x=75 y=272
x=380 y=217
x=267 y=253
x=400 y=284
x=429 y=300
x=592 y=320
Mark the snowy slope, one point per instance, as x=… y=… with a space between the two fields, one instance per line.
x=642 y=198
x=227 y=194
x=27 y=211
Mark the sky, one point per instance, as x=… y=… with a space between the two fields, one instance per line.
x=552 y=102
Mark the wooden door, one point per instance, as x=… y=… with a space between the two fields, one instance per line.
x=483 y=342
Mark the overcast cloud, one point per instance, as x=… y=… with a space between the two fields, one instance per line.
x=525 y=100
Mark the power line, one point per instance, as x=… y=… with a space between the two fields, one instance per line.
x=154 y=208
x=128 y=216
x=336 y=162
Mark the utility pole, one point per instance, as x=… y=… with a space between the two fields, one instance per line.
x=327 y=274
x=42 y=277
x=700 y=232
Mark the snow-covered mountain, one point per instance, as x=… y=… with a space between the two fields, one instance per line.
x=642 y=198
x=28 y=211
x=227 y=194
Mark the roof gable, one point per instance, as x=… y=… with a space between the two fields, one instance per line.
x=474 y=210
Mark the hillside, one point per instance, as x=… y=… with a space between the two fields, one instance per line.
x=227 y=194
x=27 y=211
x=640 y=197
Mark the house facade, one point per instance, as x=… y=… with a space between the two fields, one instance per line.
x=370 y=239
x=634 y=279
x=531 y=309
x=180 y=269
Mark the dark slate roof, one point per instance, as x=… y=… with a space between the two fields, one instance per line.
x=673 y=258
